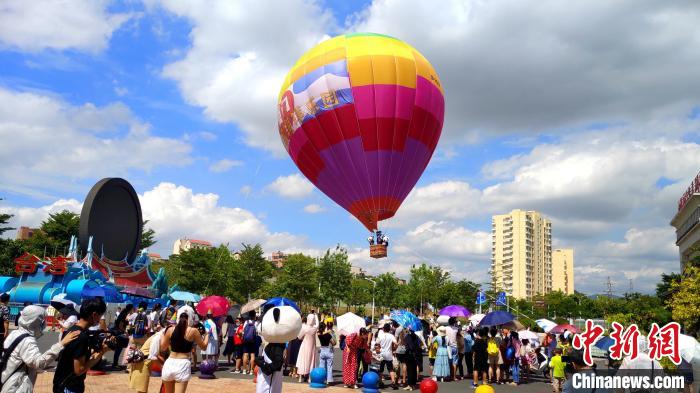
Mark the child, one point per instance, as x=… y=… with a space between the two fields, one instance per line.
x=432 y=353
x=558 y=371
x=480 y=357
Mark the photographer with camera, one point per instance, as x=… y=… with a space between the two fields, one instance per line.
x=23 y=356
x=82 y=354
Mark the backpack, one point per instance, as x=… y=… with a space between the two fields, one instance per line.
x=510 y=351
x=6 y=356
x=492 y=347
x=249 y=333
x=140 y=324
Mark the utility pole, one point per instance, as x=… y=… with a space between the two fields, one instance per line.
x=631 y=287
x=609 y=285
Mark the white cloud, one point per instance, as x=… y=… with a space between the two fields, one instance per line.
x=207 y=136
x=83 y=25
x=176 y=211
x=48 y=142
x=445 y=200
x=224 y=165
x=314 y=208
x=237 y=62
x=512 y=66
x=440 y=239
x=293 y=186
x=33 y=217
x=246 y=190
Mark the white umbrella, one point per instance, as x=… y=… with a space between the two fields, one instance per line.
x=252 y=305
x=688 y=347
x=476 y=318
x=546 y=324
x=59 y=301
x=528 y=335
x=383 y=322
x=349 y=323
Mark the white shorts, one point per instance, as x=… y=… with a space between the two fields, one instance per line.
x=178 y=370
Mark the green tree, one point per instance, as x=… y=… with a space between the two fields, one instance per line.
x=4 y=220
x=664 y=289
x=9 y=250
x=59 y=227
x=191 y=269
x=425 y=284
x=387 y=291
x=298 y=279
x=685 y=302
x=204 y=271
x=253 y=270
x=335 y=275
x=461 y=292
x=148 y=236
x=360 y=292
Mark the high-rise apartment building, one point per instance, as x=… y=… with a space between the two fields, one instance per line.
x=563 y=270
x=521 y=254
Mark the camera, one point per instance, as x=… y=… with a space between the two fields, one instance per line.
x=200 y=327
x=112 y=338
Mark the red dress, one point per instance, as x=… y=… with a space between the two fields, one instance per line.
x=353 y=342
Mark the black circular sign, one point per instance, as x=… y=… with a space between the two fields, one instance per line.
x=112 y=216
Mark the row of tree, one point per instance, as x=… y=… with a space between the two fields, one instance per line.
x=327 y=282
x=52 y=238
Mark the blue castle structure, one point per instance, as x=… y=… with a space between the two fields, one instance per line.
x=41 y=280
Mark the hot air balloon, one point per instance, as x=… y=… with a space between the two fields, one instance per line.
x=360 y=115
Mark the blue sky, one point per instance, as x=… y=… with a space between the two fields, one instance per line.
x=542 y=113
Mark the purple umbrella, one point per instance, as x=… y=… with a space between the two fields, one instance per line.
x=455 y=311
x=140 y=292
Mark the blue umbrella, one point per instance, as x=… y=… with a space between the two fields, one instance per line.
x=279 y=302
x=496 y=318
x=605 y=343
x=406 y=319
x=185 y=296
x=105 y=292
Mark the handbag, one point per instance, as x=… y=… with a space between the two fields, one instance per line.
x=401 y=349
x=135 y=355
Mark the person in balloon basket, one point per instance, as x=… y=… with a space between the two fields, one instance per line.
x=79 y=356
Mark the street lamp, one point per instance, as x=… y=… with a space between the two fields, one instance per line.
x=374 y=287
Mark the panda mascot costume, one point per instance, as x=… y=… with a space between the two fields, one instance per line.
x=279 y=325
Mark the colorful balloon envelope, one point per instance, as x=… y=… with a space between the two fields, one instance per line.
x=360 y=115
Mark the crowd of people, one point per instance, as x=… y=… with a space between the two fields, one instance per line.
x=169 y=339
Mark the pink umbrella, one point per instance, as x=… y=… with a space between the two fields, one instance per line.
x=217 y=305
x=559 y=329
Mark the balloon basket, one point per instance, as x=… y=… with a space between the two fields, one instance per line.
x=378 y=251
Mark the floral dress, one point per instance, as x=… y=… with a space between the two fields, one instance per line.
x=353 y=343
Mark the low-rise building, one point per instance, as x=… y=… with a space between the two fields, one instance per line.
x=24 y=233
x=278 y=258
x=186 y=244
